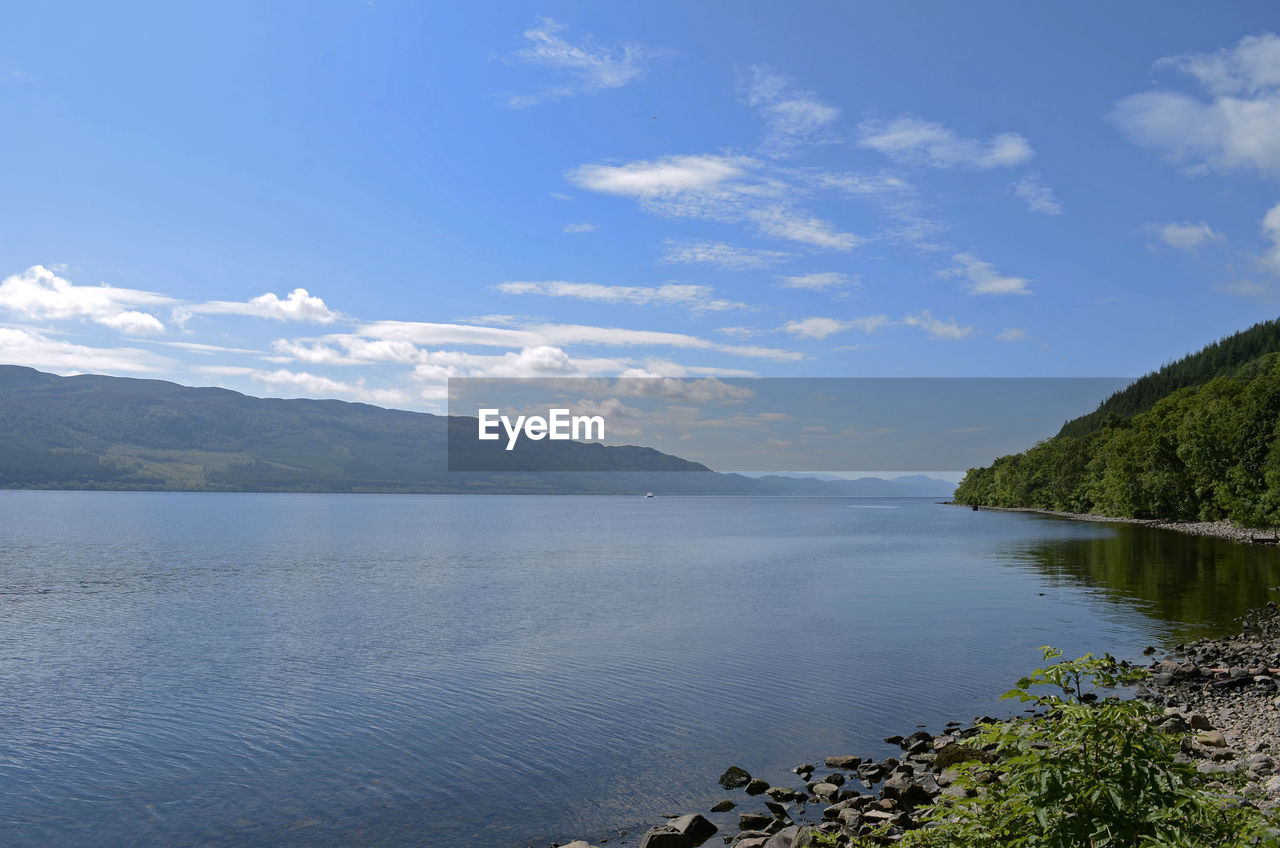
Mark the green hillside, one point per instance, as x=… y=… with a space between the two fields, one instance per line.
x=1198 y=440
x=96 y=432
x=1222 y=358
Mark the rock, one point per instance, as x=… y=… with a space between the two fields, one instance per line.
x=835 y=777
x=847 y=762
x=806 y=837
x=723 y=806
x=1212 y=739
x=1206 y=767
x=666 y=837
x=804 y=769
x=694 y=826
x=579 y=843
x=1199 y=722
x=784 y=793
x=784 y=838
x=825 y=790
x=956 y=753
x=753 y=821
x=734 y=777
x=779 y=810
x=756 y=786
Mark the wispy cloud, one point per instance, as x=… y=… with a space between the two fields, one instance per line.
x=720 y=254
x=1038 y=196
x=1011 y=334
x=820 y=281
x=580 y=228
x=1236 y=127
x=915 y=141
x=696 y=298
x=1271 y=231
x=792 y=116
x=583 y=68
x=1182 y=235
x=35 y=349
x=40 y=293
x=298 y=305
x=819 y=327
x=982 y=278
x=937 y=328
x=716 y=187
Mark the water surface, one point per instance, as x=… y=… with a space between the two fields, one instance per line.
x=326 y=670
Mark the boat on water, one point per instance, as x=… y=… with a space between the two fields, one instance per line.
x=648 y=494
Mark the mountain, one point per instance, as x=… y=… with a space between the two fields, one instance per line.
x=1198 y=440
x=97 y=432
x=1222 y=358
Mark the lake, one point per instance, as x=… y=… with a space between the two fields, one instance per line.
x=502 y=671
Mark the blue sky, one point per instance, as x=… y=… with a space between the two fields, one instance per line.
x=359 y=200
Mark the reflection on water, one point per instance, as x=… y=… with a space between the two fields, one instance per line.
x=1196 y=584
x=490 y=672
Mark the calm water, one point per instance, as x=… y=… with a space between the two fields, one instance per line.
x=325 y=670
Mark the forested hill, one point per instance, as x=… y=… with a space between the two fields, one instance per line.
x=97 y=432
x=1222 y=358
x=1206 y=451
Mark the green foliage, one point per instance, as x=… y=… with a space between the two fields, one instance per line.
x=1201 y=453
x=1088 y=772
x=1222 y=358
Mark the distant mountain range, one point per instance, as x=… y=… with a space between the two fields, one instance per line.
x=98 y=432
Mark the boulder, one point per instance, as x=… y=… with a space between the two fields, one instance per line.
x=694 y=826
x=756 y=786
x=1212 y=739
x=784 y=838
x=722 y=806
x=666 y=836
x=734 y=777
x=847 y=761
x=753 y=821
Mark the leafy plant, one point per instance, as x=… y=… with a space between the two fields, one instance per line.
x=1086 y=772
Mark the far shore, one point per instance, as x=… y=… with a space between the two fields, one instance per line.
x=1217 y=529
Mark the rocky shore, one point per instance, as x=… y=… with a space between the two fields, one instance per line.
x=1220 y=696
x=1217 y=529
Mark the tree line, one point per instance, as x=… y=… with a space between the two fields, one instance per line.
x=1201 y=453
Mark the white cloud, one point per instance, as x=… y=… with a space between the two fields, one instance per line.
x=299 y=305
x=1011 y=334
x=729 y=189
x=697 y=298
x=399 y=341
x=41 y=294
x=982 y=277
x=792 y=116
x=1271 y=230
x=315 y=385
x=1246 y=288
x=1184 y=235
x=1236 y=128
x=720 y=254
x=915 y=141
x=580 y=228
x=670 y=176
x=937 y=328
x=1038 y=196
x=587 y=67
x=821 y=281
x=784 y=223
x=32 y=348
x=820 y=327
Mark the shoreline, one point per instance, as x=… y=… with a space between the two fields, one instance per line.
x=1220 y=697
x=1214 y=529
